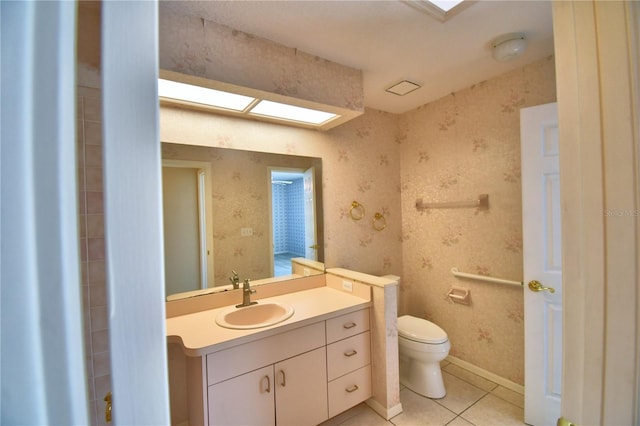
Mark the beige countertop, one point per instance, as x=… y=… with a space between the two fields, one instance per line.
x=198 y=334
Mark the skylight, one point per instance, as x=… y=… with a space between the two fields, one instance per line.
x=446 y=5
x=442 y=10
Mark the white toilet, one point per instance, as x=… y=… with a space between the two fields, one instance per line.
x=422 y=345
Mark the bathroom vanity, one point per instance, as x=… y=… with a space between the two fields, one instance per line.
x=301 y=371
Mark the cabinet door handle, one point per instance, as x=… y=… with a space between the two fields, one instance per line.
x=352 y=388
x=352 y=352
x=283 y=383
x=349 y=325
x=268 y=383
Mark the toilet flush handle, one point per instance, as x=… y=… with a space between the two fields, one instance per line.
x=536 y=286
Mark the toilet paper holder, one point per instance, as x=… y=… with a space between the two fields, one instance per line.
x=459 y=295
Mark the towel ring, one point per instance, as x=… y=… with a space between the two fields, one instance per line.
x=356 y=211
x=379 y=222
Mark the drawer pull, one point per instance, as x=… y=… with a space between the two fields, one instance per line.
x=350 y=353
x=283 y=383
x=268 y=383
x=352 y=388
x=349 y=325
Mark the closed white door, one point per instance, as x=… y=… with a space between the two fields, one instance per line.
x=542 y=263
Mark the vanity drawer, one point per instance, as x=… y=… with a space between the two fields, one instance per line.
x=349 y=390
x=348 y=354
x=232 y=362
x=347 y=325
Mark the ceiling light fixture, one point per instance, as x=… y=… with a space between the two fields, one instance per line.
x=242 y=105
x=508 y=46
x=202 y=95
x=403 y=87
x=291 y=112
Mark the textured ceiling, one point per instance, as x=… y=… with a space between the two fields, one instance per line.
x=390 y=40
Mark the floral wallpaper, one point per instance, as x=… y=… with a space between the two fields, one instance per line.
x=454 y=149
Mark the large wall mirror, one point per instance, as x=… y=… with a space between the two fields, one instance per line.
x=232 y=210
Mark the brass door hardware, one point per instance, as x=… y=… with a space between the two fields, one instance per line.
x=564 y=422
x=536 y=286
x=109 y=407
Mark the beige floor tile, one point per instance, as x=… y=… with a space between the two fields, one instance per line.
x=493 y=411
x=343 y=417
x=366 y=418
x=470 y=377
x=459 y=421
x=508 y=395
x=460 y=394
x=418 y=410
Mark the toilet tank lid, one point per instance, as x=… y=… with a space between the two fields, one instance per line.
x=420 y=330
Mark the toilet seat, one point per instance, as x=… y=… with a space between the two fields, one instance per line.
x=420 y=330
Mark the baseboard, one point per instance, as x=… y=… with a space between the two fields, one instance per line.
x=387 y=413
x=486 y=374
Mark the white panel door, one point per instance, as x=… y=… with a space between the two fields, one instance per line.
x=310 y=233
x=542 y=263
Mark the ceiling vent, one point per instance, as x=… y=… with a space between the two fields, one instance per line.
x=403 y=87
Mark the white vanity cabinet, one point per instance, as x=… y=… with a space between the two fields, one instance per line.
x=293 y=384
x=348 y=360
x=243 y=400
x=301 y=389
x=292 y=392
x=297 y=377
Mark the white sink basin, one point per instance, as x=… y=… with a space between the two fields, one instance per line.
x=254 y=316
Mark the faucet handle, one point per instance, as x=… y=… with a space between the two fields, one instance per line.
x=234 y=279
x=246 y=286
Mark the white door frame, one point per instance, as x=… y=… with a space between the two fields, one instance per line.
x=133 y=212
x=597 y=49
x=43 y=363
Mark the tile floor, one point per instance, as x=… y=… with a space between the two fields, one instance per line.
x=470 y=400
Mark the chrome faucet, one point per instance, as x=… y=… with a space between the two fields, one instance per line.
x=235 y=280
x=246 y=295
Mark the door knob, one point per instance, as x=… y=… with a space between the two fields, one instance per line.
x=536 y=286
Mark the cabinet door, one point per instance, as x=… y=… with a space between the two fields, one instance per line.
x=301 y=389
x=243 y=400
